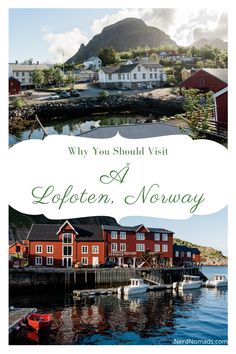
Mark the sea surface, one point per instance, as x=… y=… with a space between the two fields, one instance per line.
x=191 y=317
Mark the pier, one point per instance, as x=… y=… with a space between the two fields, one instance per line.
x=17 y=317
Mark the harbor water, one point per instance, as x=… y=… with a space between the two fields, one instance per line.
x=156 y=318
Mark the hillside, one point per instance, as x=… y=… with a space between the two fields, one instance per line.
x=214 y=42
x=210 y=256
x=123 y=35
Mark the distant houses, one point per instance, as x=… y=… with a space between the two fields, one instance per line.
x=134 y=74
x=92 y=63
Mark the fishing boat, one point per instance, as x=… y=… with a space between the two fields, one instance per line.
x=39 y=321
x=189 y=282
x=217 y=281
x=137 y=286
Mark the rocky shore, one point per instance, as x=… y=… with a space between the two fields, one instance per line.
x=23 y=118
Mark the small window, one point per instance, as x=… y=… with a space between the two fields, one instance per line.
x=114 y=246
x=110 y=77
x=123 y=76
x=38 y=249
x=151 y=76
x=164 y=237
x=140 y=236
x=95 y=249
x=144 y=76
x=67 y=250
x=176 y=253
x=123 y=247
x=155 y=75
x=67 y=238
x=23 y=74
x=23 y=80
x=127 y=76
x=135 y=76
x=114 y=235
x=17 y=74
x=189 y=254
x=38 y=261
x=157 y=248
x=49 y=261
x=84 y=249
x=157 y=237
x=123 y=235
x=17 y=249
x=139 y=68
x=84 y=260
x=49 y=249
x=140 y=247
x=119 y=76
x=164 y=248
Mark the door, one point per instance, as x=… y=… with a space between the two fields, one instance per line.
x=95 y=261
x=67 y=262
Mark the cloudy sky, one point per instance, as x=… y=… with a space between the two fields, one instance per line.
x=51 y=35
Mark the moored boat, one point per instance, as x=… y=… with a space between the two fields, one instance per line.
x=189 y=282
x=217 y=281
x=39 y=321
x=137 y=286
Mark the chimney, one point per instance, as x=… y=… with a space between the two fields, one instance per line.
x=16 y=61
x=37 y=62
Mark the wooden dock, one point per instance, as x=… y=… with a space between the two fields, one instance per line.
x=17 y=316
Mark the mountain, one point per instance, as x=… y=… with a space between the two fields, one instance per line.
x=214 y=42
x=209 y=255
x=123 y=35
x=19 y=223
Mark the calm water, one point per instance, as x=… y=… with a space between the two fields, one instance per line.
x=154 y=318
x=73 y=126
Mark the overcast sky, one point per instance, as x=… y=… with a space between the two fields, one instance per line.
x=51 y=35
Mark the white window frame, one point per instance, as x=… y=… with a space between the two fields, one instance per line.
x=38 y=259
x=114 y=235
x=48 y=250
x=139 y=248
x=157 y=236
x=49 y=263
x=84 y=251
x=66 y=234
x=36 y=249
x=123 y=235
x=165 y=248
x=140 y=236
x=83 y=260
x=67 y=255
x=176 y=254
x=123 y=247
x=157 y=247
x=112 y=247
x=189 y=254
x=97 y=247
x=164 y=237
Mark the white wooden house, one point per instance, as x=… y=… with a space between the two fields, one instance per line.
x=93 y=63
x=137 y=75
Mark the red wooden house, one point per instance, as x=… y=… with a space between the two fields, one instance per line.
x=221 y=106
x=207 y=80
x=14 y=86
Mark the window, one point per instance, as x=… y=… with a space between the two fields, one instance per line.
x=30 y=80
x=110 y=77
x=84 y=249
x=114 y=246
x=176 y=253
x=140 y=247
x=114 y=235
x=157 y=237
x=123 y=235
x=49 y=249
x=155 y=75
x=67 y=250
x=67 y=238
x=17 y=249
x=193 y=255
x=23 y=80
x=157 y=248
x=139 y=68
x=123 y=76
x=123 y=246
x=38 y=249
x=140 y=236
x=135 y=76
x=164 y=237
x=127 y=76
x=164 y=248
x=188 y=254
x=49 y=261
x=17 y=74
x=119 y=76
x=38 y=261
x=23 y=74
x=95 y=249
x=144 y=76
x=150 y=76
x=84 y=260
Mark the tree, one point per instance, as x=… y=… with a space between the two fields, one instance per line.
x=108 y=55
x=58 y=77
x=38 y=77
x=48 y=76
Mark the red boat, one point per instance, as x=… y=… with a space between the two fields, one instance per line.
x=39 y=321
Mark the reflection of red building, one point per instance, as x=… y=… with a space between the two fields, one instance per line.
x=68 y=245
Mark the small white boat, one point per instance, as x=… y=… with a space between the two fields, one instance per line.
x=189 y=282
x=217 y=281
x=137 y=286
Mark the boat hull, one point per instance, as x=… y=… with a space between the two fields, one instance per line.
x=186 y=286
x=214 y=284
x=39 y=321
x=135 y=290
